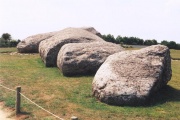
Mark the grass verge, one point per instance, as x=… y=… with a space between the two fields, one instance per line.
x=8 y=50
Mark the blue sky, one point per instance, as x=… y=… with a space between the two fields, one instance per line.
x=146 y=19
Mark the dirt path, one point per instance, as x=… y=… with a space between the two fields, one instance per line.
x=4 y=115
x=9 y=114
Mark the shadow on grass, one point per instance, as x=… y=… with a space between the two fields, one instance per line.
x=24 y=113
x=166 y=94
x=23 y=116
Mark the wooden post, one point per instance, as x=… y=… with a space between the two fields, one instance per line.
x=18 y=100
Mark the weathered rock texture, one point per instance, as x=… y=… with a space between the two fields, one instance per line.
x=84 y=58
x=130 y=77
x=49 y=48
x=92 y=30
x=31 y=43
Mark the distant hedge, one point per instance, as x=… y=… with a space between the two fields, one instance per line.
x=9 y=43
x=137 y=41
x=171 y=44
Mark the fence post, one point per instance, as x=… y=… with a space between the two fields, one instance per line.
x=18 y=100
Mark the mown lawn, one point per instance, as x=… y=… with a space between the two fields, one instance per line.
x=175 y=54
x=68 y=96
x=8 y=50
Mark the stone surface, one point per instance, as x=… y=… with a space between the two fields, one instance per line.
x=49 y=48
x=92 y=30
x=31 y=43
x=84 y=58
x=131 y=77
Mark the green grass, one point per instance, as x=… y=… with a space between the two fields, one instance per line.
x=68 y=96
x=8 y=50
x=175 y=54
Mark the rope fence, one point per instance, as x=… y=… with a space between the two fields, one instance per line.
x=18 y=99
x=7 y=88
x=41 y=107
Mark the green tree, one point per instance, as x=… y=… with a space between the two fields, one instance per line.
x=164 y=42
x=13 y=43
x=109 y=38
x=2 y=43
x=140 y=41
x=6 y=37
x=150 y=42
x=178 y=46
x=154 y=42
x=172 y=45
x=119 y=39
x=130 y=40
x=125 y=40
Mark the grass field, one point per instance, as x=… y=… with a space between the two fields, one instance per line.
x=68 y=96
x=7 y=50
x=175 y=54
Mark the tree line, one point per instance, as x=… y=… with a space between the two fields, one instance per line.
x=137 y=41
x=7 y=41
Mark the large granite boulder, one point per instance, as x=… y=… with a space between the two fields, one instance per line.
x=92 y=30
x=84 y=58
x=49 y=48
x=31 y=43
x=131 y=77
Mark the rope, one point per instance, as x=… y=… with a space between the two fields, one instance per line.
x=7 y=88
x=32 y=102
x=41 y=107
